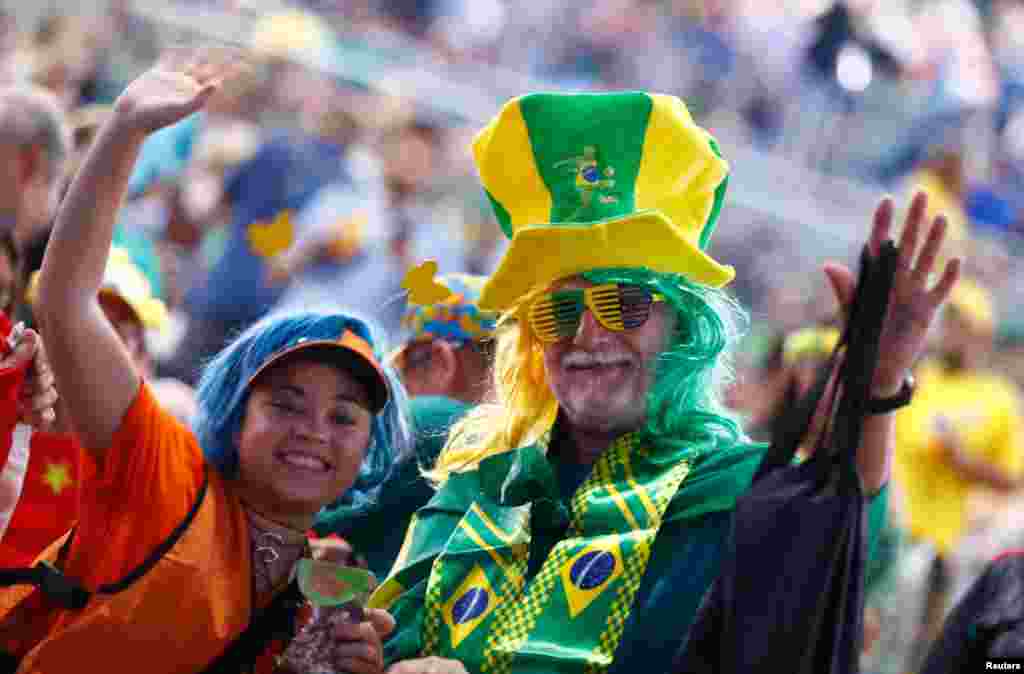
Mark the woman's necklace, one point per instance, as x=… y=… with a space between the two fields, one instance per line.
x=275 y=549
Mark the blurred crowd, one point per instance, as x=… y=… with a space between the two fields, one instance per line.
x=301 y=185
x=896 y=95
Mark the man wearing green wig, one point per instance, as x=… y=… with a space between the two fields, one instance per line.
x=582 y=514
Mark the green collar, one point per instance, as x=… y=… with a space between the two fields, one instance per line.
x=717 y=477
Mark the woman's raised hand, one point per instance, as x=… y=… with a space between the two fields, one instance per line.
x=178 y=85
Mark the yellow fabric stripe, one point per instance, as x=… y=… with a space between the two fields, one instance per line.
x=679 y=172
x=403 y=552
x=507 y=168
x=509 y=570
x=645 y=499
x=622 y=505
x=386 y=595
x=489 y=523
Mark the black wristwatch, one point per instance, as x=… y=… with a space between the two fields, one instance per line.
x=901 y=399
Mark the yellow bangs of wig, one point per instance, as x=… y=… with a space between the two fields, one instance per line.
x=523 y=408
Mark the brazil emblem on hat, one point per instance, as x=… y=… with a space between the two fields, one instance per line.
x=599 y=180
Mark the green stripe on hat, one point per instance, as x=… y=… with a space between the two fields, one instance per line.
x=590 y=172
x=502 y=215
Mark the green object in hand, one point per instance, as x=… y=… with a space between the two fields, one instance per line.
x=329 y=584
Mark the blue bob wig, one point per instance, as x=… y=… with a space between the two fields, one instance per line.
x=224 y=390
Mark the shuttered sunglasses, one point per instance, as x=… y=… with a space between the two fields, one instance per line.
x=616 y=306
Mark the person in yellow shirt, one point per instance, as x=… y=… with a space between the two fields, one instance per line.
x=962 y=432
x=942 y=178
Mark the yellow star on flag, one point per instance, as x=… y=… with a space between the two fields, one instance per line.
x=57 y=476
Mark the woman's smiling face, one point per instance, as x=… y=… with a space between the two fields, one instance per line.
x=303 y=439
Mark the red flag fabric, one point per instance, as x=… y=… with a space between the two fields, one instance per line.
x=50 y=499
x=40 y=474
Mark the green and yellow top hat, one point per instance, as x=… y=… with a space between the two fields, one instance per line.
x=590 y=181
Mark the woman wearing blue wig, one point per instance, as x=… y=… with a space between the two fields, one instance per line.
x=183 y=556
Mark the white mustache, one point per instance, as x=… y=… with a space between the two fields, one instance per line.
x=587 y=359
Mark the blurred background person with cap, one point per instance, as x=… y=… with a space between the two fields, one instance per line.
x=266 y=191
x=445 y=365
x=449 y=349
x=139 y=317
x=963 y=433
x=341 y=249
x=779 y=375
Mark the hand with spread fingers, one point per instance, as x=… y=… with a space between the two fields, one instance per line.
x=430 y=665
x=913 y=305
x=178 y=85
x=36 y=404
x=915 y=299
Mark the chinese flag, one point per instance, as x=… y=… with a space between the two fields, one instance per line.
x=50 y=499
x=40 y=475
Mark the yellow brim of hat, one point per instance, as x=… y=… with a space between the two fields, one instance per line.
x=542 y=254
x=151 y=312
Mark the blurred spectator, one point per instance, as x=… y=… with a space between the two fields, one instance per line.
x=770 y=42
x=469 y=30
x=963 y=431
x=267 y=191
x=847 y=23
x=11 y=275
x=133 y=311
x=448 y=350
x=34 y=145
x=410 y=16
x=342 y=236
x=9 y=61
x=124 y=43
x=85 y=122
x=364 y=233
x=445 y=364
x=1007 y=40
x=409 y=154
x=966 y=81
x=943 y=178
x=197 y=207
x=762 y=384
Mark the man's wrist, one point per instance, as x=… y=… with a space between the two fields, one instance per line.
x=886 y=390
x=886 y=397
